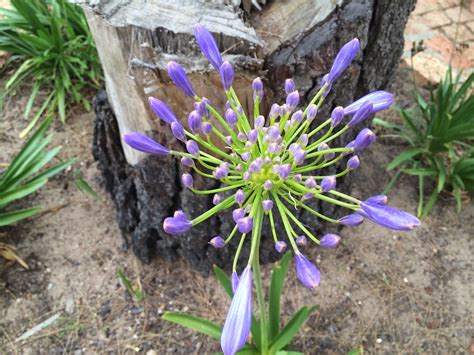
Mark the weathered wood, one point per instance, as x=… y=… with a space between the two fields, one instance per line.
x=297 y=39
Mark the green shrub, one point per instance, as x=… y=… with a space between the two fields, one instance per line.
x=52 y=41
x=440 y=133
x=27 y=173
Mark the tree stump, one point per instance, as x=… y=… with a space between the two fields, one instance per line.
x=277 y=40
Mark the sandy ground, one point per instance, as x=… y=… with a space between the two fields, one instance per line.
x=393 y=293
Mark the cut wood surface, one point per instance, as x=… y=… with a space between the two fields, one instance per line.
x=297 y=39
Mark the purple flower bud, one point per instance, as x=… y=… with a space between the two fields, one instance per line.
x=307 y=196
x=255 y=166
x=187 y=180
x=259 y=122
x=273 y=148
x=237 y=214
x=257 y=87
x=217 y=242
x=227 y=75
x=142 y=143
x=378 y=199
x=330 y=240
x=192 y=147
x=322 y=147
x=312 y=112
x=252 y=135
x=275 y=111
x=364 y=139
x=217 y=199
x=239 y=196
x=247 y=175
x=361 y=114
x=297 y=177
x=248 y=208
x=292 y=100
x=349 y=145
x=235 y=281
x=241 y=137
x=267 y=185
x=194 y=121
x=206 y=128
x=202 y=107
x=178 y=131
x=177 y=74
x=177 y=224
x=245 y=156
x=301 y=240
x=238 y=167
x=328 y=87
x=267 y=205
x=299 y=156
x=231 y=117
x=239 y=318
x=352 y=220
x=389 y=217
x=328 y=183
x=310 y=183
x=162 y=110
x=245 y=224
x=220 y=172
x=274 y=132
x=297 y=117
x=380 y=101
x=208 y=46
x=280 y=246
x=289 y=86
x=304 y=140
x=353 y=163
x=228 y=140
x=284 y=171
x=336 y=116
x=307 y=273
x=187 y=162
x=343 y=59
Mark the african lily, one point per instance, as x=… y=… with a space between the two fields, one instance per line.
x=270 y=164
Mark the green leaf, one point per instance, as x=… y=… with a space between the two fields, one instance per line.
x=223 y=280
x=421 y=171
x=291 y=329
x=357 y=351
x=284 y=352
x=83 y=186
x=276 y=286
x=22 y=191
x=8 y=218
x=403 y=157
x=195 y=323
x=442 y=173
x=429 y=205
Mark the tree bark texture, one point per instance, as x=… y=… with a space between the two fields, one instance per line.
x=297 y=39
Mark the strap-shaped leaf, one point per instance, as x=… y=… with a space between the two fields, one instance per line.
x=19 y=192
x=403 y=157
x=15 y=216
x=276 y=286
x=291 y=329
x=442 y=173
x=198 y=324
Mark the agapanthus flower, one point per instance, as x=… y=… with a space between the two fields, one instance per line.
x=270 y=165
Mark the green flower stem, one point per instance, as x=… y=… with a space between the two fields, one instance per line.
x=286 y=222
x=320 y=127
x=296 y=133
x=232 y=97
x=211 y=147
x=237 y=252
x=335 y=135
x=322 y=197
x=309 y=209
x=344 y=196
x=313 y=166
x=231 y=235
x=187 y=155
x=221 y=189
x=224 y=124
x=342 y=173
x=316 y=97
x=324 y=137
x=272 y=225
x=219 y=134
x=295 y=220
x=229 y=201
x=332 y=150
x=202 y=173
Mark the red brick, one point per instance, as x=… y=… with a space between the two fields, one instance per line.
x=464 y=35
x=442 y=45
x=425 y=6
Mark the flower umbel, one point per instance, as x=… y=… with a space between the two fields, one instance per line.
x=269 y=165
